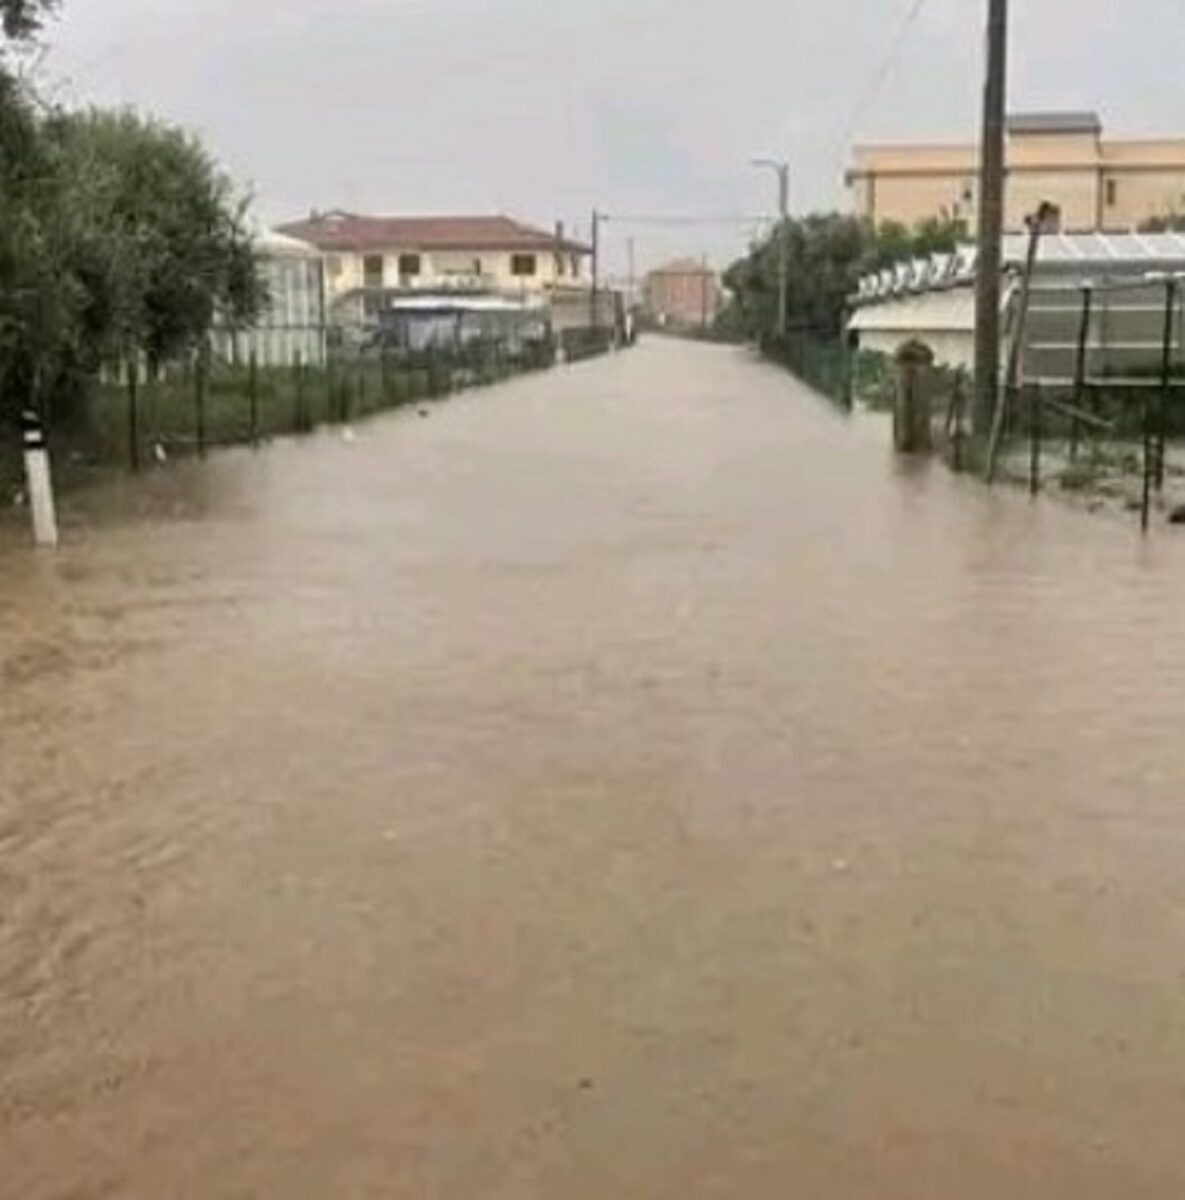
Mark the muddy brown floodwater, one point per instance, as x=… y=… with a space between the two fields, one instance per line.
x=627 y=782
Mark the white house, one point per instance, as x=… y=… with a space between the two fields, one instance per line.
x=368 y=259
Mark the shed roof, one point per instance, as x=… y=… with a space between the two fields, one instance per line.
x=353 y=231
x=1094 y=256
x=1142 y=251
x=280 y=245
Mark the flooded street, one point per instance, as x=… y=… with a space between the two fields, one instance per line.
x=624 y=782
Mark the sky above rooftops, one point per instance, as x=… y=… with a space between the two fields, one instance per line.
x=545 y=108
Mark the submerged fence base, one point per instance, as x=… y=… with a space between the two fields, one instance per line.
x=823 y=362
x=137 y=418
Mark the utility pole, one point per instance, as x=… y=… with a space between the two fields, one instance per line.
x=633 y=279
x=783 y=172
x=991 y=221
x=594 y=311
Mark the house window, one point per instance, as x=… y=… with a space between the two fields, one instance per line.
x=372 y=271
x=333 y=267
x=559 y=266
x=1112 y=193
x=477 y=266
x=522 y=265
x=575 y=266
x=409 y=266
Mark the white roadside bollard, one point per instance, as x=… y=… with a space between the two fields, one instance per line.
x=38 y=481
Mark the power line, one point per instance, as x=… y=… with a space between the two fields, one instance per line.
x=673 y=219
x=882 y=76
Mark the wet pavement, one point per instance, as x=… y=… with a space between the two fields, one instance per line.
x=625 y=782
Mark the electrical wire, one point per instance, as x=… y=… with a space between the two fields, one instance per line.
x=887 y=68
x=631 y=219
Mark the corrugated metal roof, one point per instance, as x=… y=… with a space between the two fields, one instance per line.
x=1137 y=250
x=1089 y=255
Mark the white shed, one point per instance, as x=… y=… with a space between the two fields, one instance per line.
x=292 y=329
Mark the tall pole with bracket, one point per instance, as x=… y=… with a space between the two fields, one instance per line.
x=782 y=169
x=991 y=220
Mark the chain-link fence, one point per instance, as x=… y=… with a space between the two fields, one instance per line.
x=822 y=361
x=133 y=421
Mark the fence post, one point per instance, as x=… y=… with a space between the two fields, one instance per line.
x=200 y=379
x=342 y=384
x=38 y=479
x=132 y=366
x=1166 y=378
x=1080 y=365
x=1036 y=422
x=299 y=417
x=954 y=418
x=1146 y=495
x=911 y=409
x=253 y=395
x=847 y=371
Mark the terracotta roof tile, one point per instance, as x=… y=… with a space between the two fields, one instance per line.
x=352 y=231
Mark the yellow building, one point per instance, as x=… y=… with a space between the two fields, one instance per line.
x=373 y=255
x=1100 y=184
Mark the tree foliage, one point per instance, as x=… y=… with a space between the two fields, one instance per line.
x=21 y=19
x=1173 y=222
x=164 y=241
x=118 y=236
x=40 y=294
x=827 y=255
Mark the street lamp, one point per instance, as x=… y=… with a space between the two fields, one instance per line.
x=783 y=172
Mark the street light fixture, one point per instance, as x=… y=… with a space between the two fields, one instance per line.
x=782 y=169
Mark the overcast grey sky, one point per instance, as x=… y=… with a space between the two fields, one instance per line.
x=543 y=108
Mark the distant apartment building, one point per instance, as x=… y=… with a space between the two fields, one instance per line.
x=1100 y=184
x=683 y=294
x=368 y=259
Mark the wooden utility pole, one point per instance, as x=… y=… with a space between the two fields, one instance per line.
x=991 y=220
x=703 y=293
x=782 y=169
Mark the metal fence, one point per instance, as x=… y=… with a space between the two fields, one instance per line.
x=822 y=360
x=1099 y=395
x=131 y=422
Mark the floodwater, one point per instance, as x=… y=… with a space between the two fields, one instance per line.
x=623 y=782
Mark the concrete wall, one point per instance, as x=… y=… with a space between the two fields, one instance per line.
x=683 y=297
x=910 y=199
x=1075 y=192
x=345 y=272
x=951 y=348
x=945 y=321
x=910 y=183
x=571 y=308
